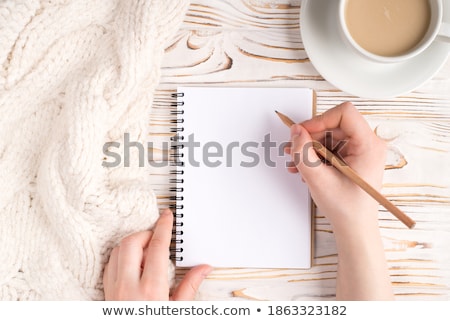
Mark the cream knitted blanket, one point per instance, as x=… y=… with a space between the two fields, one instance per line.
x=74 y=74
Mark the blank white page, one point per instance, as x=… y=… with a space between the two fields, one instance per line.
x=241 y=207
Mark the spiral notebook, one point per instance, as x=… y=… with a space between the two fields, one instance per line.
x=237 y=204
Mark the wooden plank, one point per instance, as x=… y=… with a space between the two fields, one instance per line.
x=242 y=14
x=277 y=58
x=258 y=43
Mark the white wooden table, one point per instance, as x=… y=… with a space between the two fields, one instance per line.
x=258 y=43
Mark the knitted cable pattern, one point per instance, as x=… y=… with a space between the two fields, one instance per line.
x=74 y=74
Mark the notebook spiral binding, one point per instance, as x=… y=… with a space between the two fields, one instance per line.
x=176 y=153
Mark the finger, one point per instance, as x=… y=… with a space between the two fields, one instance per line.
x=307 y=162
x=130 y=256
x=157 y=260
x=144 y=257
x=110 y=272
x=289 y=164
x=335 y=140
x=291 y=167
x=188 y=287
x=287 y=148
x=344 y=116
x=293 y=170
x=111 y=267
x=336 y=134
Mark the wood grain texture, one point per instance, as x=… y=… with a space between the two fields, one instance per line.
x=258 y=43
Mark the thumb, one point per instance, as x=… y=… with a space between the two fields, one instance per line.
x=187 y=289
x=305 y=157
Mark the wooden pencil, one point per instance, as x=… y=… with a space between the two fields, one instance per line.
x=341 y=166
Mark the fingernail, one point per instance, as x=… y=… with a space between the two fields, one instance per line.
x=166 y=211
x=296 y=130
x=207 y=271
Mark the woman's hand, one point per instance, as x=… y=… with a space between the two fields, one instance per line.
x=138 y=267
x=341 y=200
x=362 y=270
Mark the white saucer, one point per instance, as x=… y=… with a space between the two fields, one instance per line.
x=348 y=71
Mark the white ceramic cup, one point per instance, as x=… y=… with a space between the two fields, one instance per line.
x=438 y=30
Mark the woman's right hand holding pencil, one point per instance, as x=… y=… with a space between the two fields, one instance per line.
x=361 y=149
x=353 y=214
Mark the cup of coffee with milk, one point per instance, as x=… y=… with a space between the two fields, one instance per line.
x=389 y=31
